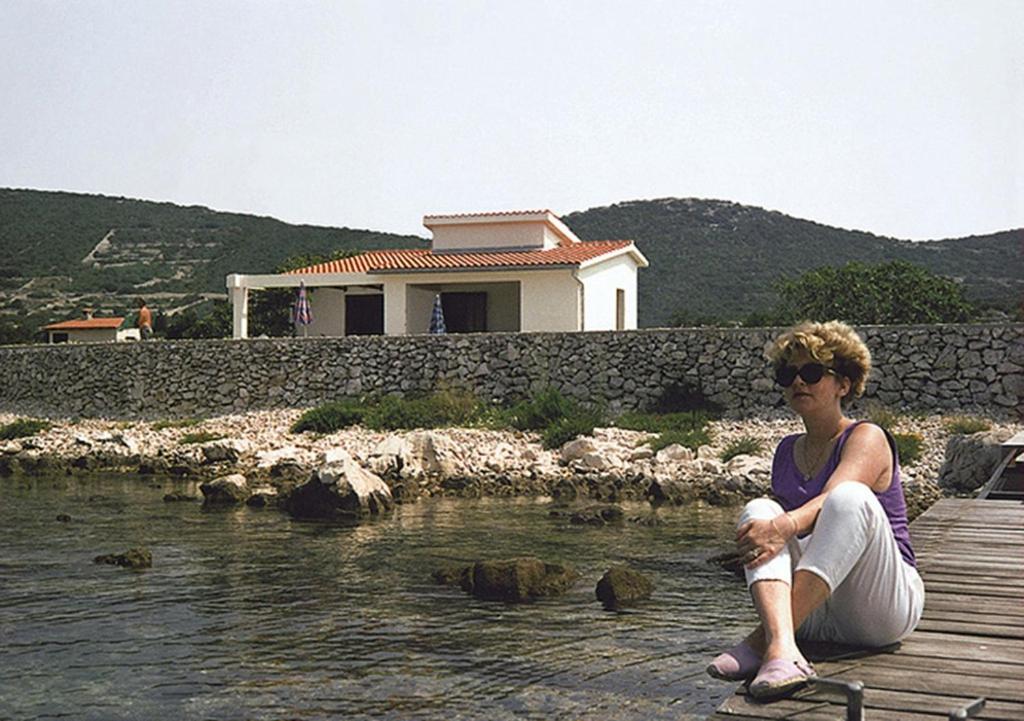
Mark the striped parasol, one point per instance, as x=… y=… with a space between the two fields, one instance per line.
x=303 y=314
x=437 y=317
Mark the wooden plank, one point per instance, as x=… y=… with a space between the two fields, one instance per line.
x=983 y=591
x=927 y=664
x=953 y=601
x=966 y=616
x=894 y=678
x=909 y=701
x=972 y=629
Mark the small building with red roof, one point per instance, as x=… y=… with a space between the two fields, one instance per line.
x=507 y=271
x=89 y=329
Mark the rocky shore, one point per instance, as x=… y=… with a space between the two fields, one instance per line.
x=614 y=464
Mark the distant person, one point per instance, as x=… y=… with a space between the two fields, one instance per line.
x=145 y=322
x=829 y=559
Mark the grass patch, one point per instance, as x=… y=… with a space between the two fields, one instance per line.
x=200 y=437
x=179 y=423
x=330 y=417
x=569 y=428
x=692 y=439
x=909 y=447
x=966 y=425
x=23 y=428
x=663 y=422
x=741 y=446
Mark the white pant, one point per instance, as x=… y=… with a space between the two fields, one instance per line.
x=876 y=597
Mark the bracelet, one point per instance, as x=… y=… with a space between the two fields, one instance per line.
x=781 y=534
x=796 y=526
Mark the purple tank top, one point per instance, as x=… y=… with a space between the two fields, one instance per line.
x=793 y=491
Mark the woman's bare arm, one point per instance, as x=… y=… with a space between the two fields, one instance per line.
x=866 y=458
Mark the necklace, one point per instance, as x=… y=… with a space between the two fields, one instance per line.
x=819 y=457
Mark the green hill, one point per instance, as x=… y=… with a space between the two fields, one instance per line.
x=714 y=258
x=60 y=252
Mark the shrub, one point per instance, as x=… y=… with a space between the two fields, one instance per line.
x=966 y=425
x=457 y=408
x=882 y=416
x=692 y=439
x=741 y=446
x=541 y=410
x=182 y=423
x=22 y=428
x=682 y=397
x=569 y=427
x=908 y=447
x=200 y=437
x=329 y=417
x=393 y=412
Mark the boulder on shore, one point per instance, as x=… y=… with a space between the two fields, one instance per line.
x=621 y=586
x=226 y=489
x=971 y=460
x=514 y=580
x=341 y=489
x=132 y=558
x=226 y=450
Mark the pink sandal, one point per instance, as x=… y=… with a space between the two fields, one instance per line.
x=739 y=663
x=781 y=676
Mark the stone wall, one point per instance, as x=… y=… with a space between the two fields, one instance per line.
x=943 y=368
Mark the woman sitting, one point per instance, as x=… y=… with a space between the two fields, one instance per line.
x=829 y=559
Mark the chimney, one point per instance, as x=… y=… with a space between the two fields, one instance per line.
x=88 y=313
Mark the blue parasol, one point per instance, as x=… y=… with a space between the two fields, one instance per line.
x=437 y=317
x=303 y=314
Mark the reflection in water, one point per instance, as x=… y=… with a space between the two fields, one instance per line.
x=247 y=614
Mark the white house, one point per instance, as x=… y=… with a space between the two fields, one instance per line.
x=509 y=271
x=90 y=330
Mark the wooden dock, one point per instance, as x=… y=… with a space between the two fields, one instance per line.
x=970 y=642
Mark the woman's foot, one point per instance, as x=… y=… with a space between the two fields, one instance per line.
x=739 y=663
x=780 y=676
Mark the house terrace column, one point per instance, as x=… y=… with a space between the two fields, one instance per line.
x=239 y=306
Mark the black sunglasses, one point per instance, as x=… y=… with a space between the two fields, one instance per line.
x=810 y=373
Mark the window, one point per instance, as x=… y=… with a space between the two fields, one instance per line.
x=620 y=309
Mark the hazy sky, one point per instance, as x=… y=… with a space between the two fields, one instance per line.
x=901 y=118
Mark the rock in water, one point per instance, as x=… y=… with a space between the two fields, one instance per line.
x=177 y=497
x=669 y=491
x=517 y=579
x=226 y=489
x=340 y=489
x=601 y=514
x=132 y=558
x=621 y=586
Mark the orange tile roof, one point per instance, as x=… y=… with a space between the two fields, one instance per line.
x=377 y=261
x=86 y=324
x=485 y=215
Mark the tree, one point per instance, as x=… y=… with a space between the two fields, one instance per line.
x=216 y=323
x=885 y=294
x=270 y=311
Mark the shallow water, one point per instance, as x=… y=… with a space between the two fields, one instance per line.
x=247 y=614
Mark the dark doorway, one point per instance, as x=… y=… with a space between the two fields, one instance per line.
x=364 y=314
x=465 y=312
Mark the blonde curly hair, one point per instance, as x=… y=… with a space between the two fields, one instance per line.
x=833 y=344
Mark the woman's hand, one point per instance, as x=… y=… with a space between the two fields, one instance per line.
x=759 y=541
